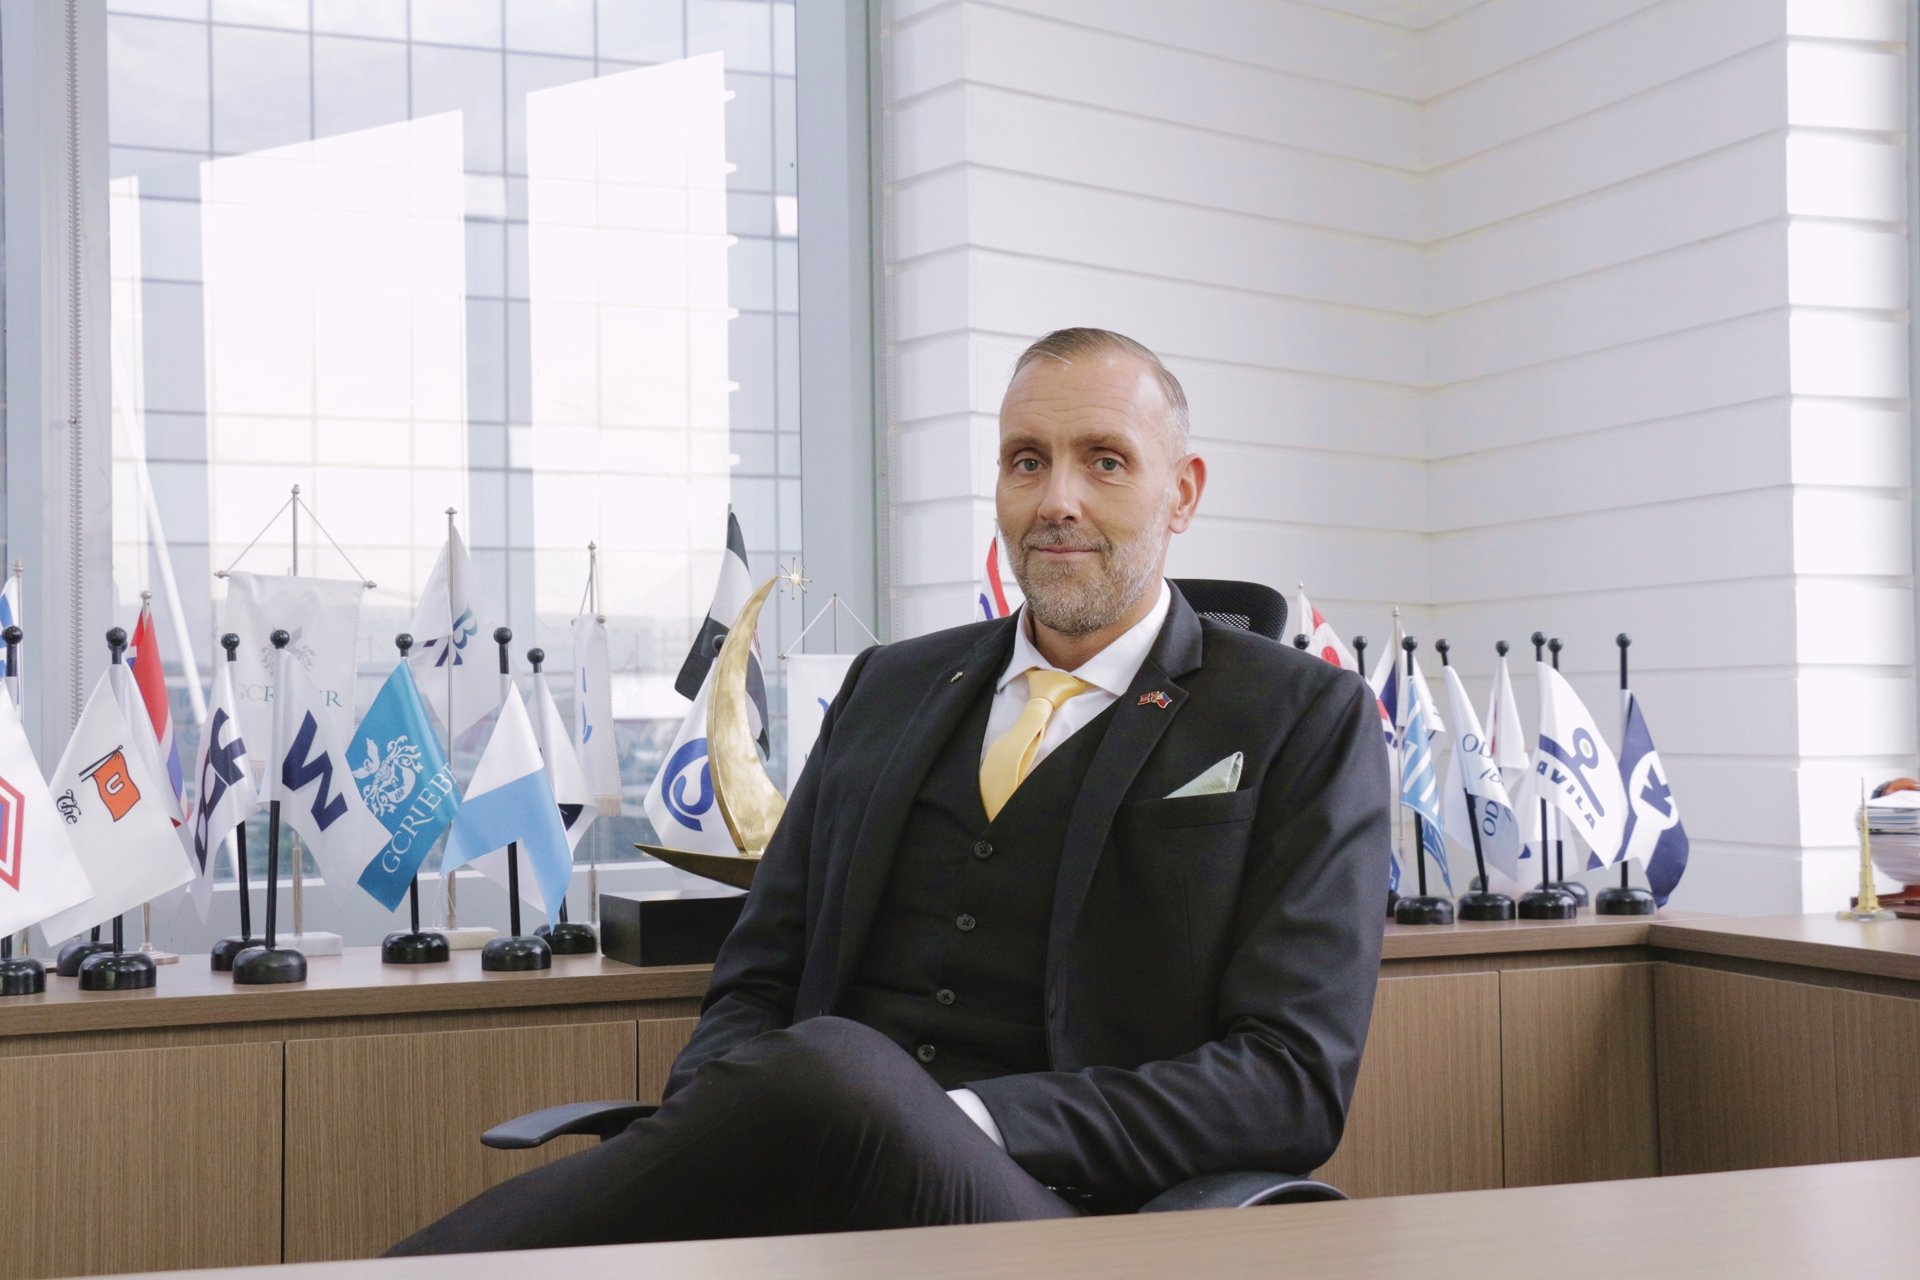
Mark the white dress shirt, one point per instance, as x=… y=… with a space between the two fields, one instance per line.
x=1110 y=672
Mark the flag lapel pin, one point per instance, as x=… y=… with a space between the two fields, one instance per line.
x=956 y=677
x=1157 y=698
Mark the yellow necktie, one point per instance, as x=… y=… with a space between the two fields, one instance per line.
x=1010 y=758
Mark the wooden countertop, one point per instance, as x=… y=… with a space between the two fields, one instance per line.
x=1491 y=937
x=1886 y=948
x=355 y=984
x=1765 y=1224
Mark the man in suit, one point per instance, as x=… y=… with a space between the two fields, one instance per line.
x=1066 y=908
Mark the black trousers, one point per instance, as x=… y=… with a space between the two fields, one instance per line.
x=826 y=1126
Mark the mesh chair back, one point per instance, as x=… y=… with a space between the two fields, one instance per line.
x=1251 y=606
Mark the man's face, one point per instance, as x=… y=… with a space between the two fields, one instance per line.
x=1091 y=488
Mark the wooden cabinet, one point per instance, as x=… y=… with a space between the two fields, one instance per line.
x=383 y=1131
x=140 y=1159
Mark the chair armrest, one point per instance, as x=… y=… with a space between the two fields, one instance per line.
x=1240 y=1191
x=537 y=1128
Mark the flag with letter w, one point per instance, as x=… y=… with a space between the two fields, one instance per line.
x=315 y=784
x=1653 y=831
x=404 y=777
x=1574 y=769
x=511 y=801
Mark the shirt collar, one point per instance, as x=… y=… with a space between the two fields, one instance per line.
x=1112 y=669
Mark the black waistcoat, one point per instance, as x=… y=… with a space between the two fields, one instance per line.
x=954 y=968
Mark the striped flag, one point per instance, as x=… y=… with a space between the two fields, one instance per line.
x=1420 y=787
x=999 y=594
x=143 y=659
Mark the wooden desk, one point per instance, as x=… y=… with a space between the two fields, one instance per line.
x=1774 y=1224
x=199 y=1123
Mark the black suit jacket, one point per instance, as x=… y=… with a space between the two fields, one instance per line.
x=1211 y=960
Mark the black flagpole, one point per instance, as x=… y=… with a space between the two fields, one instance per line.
x=227 y=948
x=117 y=969
x=1624 y=899
x=272 y=964
x=1424 y=909
x=1548 y=902
x=23 y=976
x=565 y=938
x=515 y=952
x=1482 y=903
x=413 y=946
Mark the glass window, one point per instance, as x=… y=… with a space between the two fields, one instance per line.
x=533 y=261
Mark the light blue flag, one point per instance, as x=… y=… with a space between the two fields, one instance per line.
x=1420 y=786
x=404 y=777
x=510 y=801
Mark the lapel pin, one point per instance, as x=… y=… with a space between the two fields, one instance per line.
x=956 y=677
x=1158 y=698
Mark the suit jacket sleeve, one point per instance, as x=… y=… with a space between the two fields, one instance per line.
x=758 y=969
x=1271 y=1091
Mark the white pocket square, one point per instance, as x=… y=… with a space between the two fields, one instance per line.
x=1220 y=777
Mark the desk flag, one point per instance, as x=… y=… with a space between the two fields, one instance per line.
x=143 y=660
x=446 y=660
x=1473 y=793
x=315 y=784
x=116 y=809
x=999 y=594
x=730 y=596
x=571 y=794
x=40 y=875
x=1321 y=637
x=1420 y=788
x=406 y=782
x=593 y=713
x=508 y=801
x=680 y=802
x=10 y=603
x=227 y=796
x=1653 y=830
x=1506 y=740
x=1575 y=770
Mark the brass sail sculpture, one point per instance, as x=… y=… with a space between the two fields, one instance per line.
x=745 y=795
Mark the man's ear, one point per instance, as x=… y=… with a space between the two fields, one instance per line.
x=1189 y=481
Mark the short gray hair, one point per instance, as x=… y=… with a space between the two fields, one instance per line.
x=1067 y=345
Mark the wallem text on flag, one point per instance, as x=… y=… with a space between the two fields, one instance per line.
x=404 y=778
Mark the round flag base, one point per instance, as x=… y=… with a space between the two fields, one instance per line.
x=1573 y=889
x=22 y=977
x=1423 y=910
x=1548 y=904
x=569 y=939
x=414 y=948
x=75 y=954
x=268 y=966
x=118 y=971
x=226 y=949
x=1480 y=905
x=1624 y=900
x=516 y=955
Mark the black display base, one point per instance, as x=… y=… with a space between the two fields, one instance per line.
x=1575 y=890
x=75 y=954
x=1481 y=905
x=21 y=976
x=264 y=966
x=415 y=948
x=1548 y=904
x=226 y=949
x=1393 y=900
x=1624 y=900
x=516 y=954
x=683 y=926
x=569 y=938
x=118 y=971
x=1423 y=910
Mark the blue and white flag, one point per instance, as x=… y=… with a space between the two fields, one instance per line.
x=1473 y=799
x=455 y=669
x=226 y=796
x=1574 y=769
x=680 y=801
x=1420 y=787
x=510 y=801
x=1653 y=830
x=404 y=777
x=315 y=785
x=10 y=604
x=730 y=596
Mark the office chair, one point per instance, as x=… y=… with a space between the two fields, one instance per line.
x=1251 y=606
x=1247 y=605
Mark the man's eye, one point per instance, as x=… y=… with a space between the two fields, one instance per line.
x=1108 y=465
x=1028 y=465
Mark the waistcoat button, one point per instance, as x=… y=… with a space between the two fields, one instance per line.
x=944 y=995
x=964 y=923
x=983 y=849
x=923 y=1052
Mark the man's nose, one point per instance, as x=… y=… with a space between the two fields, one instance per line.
x=1061 y=501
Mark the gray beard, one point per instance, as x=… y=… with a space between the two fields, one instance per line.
x=1074 y=608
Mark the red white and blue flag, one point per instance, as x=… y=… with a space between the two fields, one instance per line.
x=1321 y=637
x=999 y=594
x=143 y=659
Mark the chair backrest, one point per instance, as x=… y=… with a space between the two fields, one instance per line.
x=1251 y=606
